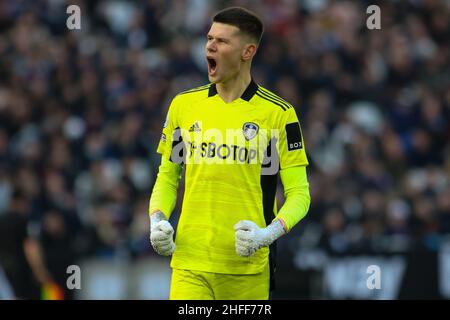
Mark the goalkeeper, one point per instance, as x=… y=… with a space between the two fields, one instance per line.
x=234 y=139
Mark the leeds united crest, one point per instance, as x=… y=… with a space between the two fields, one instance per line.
x=250 y=130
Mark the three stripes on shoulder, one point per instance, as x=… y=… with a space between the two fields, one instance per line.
x=261 y=92
x=272 y=97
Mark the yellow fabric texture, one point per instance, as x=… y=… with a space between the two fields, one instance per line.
x=164 y=194
x=223 y=182
x=200 y=285
x=296 y=193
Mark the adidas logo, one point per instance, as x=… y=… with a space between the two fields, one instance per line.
x=195 y=127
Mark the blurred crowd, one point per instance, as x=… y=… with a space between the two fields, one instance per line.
x=81 y=114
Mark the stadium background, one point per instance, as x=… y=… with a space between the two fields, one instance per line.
x=81 y=113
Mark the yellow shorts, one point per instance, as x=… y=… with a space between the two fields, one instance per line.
x=199 y=285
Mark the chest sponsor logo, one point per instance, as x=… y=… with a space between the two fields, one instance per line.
x=227 y=146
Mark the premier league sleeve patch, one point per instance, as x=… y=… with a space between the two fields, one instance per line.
x=293 y=136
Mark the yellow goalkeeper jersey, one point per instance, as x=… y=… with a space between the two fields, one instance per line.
x=232 y=153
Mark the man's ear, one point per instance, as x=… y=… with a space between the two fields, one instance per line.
x=249 y=51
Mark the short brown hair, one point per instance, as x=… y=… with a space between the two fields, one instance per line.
x=245 y=20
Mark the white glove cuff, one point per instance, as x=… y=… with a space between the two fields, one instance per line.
x=272 y=232
x=156 y=217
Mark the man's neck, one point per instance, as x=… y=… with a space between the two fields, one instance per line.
x=233 y=88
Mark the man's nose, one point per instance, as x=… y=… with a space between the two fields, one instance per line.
x=211 y=46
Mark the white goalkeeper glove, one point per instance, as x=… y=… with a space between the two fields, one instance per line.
x=250 y=237
x=161 y=234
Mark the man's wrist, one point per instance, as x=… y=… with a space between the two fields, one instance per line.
x=156 y=217
x=283 y=223
x=273 y=231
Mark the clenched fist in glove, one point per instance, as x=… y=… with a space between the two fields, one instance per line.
x=250 y=237
x=161 y=234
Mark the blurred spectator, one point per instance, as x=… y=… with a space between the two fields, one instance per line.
x=21 y=257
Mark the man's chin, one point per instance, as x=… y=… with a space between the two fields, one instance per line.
x=213 y=79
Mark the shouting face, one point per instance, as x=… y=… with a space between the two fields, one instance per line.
x=226 y=50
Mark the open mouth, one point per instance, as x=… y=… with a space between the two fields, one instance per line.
x=212 y=65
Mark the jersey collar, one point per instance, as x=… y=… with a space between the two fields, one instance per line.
x=246 y=95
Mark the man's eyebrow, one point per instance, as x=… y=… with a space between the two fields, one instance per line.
x=217 y=37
